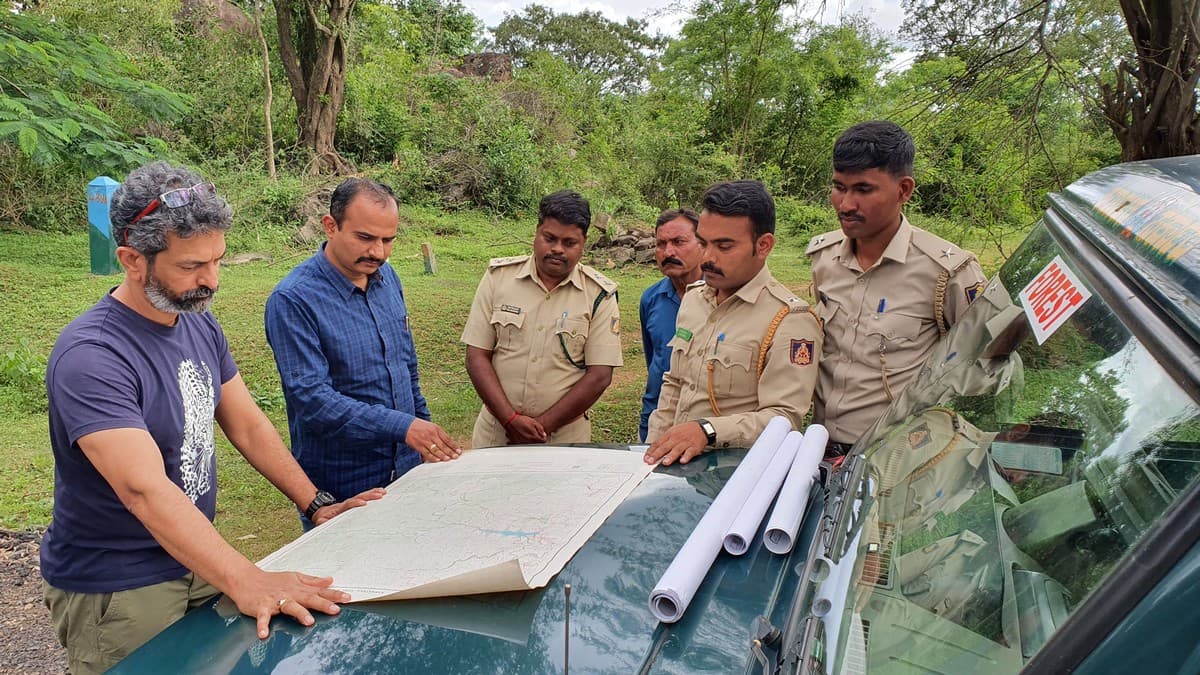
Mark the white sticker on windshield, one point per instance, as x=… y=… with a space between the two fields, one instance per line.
x=1052 y=297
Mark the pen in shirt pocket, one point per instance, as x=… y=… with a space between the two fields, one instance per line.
x=720 y=339
x=882 y=305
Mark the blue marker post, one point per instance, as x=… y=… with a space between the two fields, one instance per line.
x=100 y=238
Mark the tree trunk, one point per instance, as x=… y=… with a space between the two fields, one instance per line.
x=266 y=61
x=312 y=46
x=1152 y=105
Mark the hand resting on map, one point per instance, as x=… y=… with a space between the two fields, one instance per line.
x=324 y=513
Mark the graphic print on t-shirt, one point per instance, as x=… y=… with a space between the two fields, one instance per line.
x=196 y=454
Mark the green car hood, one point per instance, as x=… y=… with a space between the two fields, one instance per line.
x=611 y=627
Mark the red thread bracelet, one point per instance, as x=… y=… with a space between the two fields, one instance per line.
x=513 y=417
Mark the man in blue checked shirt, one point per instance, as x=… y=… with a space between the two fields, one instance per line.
x=678 y=254
x=339 y=329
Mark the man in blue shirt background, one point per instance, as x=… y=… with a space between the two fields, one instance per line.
x=339 y=329
x=678 y=254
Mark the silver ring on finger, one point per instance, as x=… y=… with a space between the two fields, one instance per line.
x=282 y=602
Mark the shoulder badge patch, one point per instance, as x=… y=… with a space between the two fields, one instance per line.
x=919 y=437
x=973 y=291
x=615 y=325
x=802 y=352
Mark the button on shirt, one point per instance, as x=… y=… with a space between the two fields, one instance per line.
x=532 y=330
x=879 y=323
x=728 y=336
x=657 y=311
x=349 y=372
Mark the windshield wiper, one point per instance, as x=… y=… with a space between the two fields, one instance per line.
x=849 y=486
x=848 y=502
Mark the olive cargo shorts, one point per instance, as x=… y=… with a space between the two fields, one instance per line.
x=100 y=629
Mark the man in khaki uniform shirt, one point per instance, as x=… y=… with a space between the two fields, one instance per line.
x=886 y=291
x=543 y=335
x=723 y=385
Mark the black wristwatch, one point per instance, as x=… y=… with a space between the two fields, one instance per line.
x=323 y=498
x=710 y=432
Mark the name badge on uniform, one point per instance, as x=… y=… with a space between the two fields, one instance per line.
x=802 y=352
x=683 y=334
x=510 y=308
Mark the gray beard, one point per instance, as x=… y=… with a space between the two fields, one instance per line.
x=195 y=301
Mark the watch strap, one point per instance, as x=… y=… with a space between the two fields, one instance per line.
x=323 y=498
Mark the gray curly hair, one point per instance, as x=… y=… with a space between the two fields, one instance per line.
x=149 y=235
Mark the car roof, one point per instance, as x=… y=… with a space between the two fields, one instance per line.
x=1142 y=217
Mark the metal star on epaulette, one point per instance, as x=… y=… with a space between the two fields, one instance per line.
x=819 y=239
x=947 y=253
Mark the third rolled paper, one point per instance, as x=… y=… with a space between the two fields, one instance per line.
x=785 y=520
x=741 y=531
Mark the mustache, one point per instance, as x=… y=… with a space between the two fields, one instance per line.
x=711 y=268
x=198 y=293
x=672 y=261
x=368 y=259
x=557 y=258
x=850 y=215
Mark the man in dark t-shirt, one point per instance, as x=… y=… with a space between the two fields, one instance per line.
x=134 y=386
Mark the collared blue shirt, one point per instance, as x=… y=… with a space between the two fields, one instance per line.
x=657 y=310
x=349 y=372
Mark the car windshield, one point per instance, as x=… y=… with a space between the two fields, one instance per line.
x=1005 y=484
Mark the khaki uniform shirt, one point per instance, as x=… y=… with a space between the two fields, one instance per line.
x=541 y=339
x=728 y=336
x=879 y=323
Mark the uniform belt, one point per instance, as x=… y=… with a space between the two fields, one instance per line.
x=835 y=449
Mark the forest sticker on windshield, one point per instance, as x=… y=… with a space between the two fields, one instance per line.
x=1052 y=297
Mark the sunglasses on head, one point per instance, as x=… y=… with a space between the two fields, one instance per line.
x=173 y=199
x=176 y=198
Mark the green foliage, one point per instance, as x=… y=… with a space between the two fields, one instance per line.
x=481 y=150
x=748 y=89
x=219 y=71
x=777 y=90
x=23 y=377
x=986 y=158
x=803 y=220
x=59 y=88
x=421 y=28
x=613 y=56
x=39 y=196
x=266 y=212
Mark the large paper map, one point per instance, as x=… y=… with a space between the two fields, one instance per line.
x=496 y=519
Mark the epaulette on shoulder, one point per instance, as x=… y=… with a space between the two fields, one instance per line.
x=604 y=282
x=822 y=241
x=944 y=253
x=510 y=260
x=782 y=294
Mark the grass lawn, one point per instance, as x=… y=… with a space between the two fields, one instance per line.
x=45 y=282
